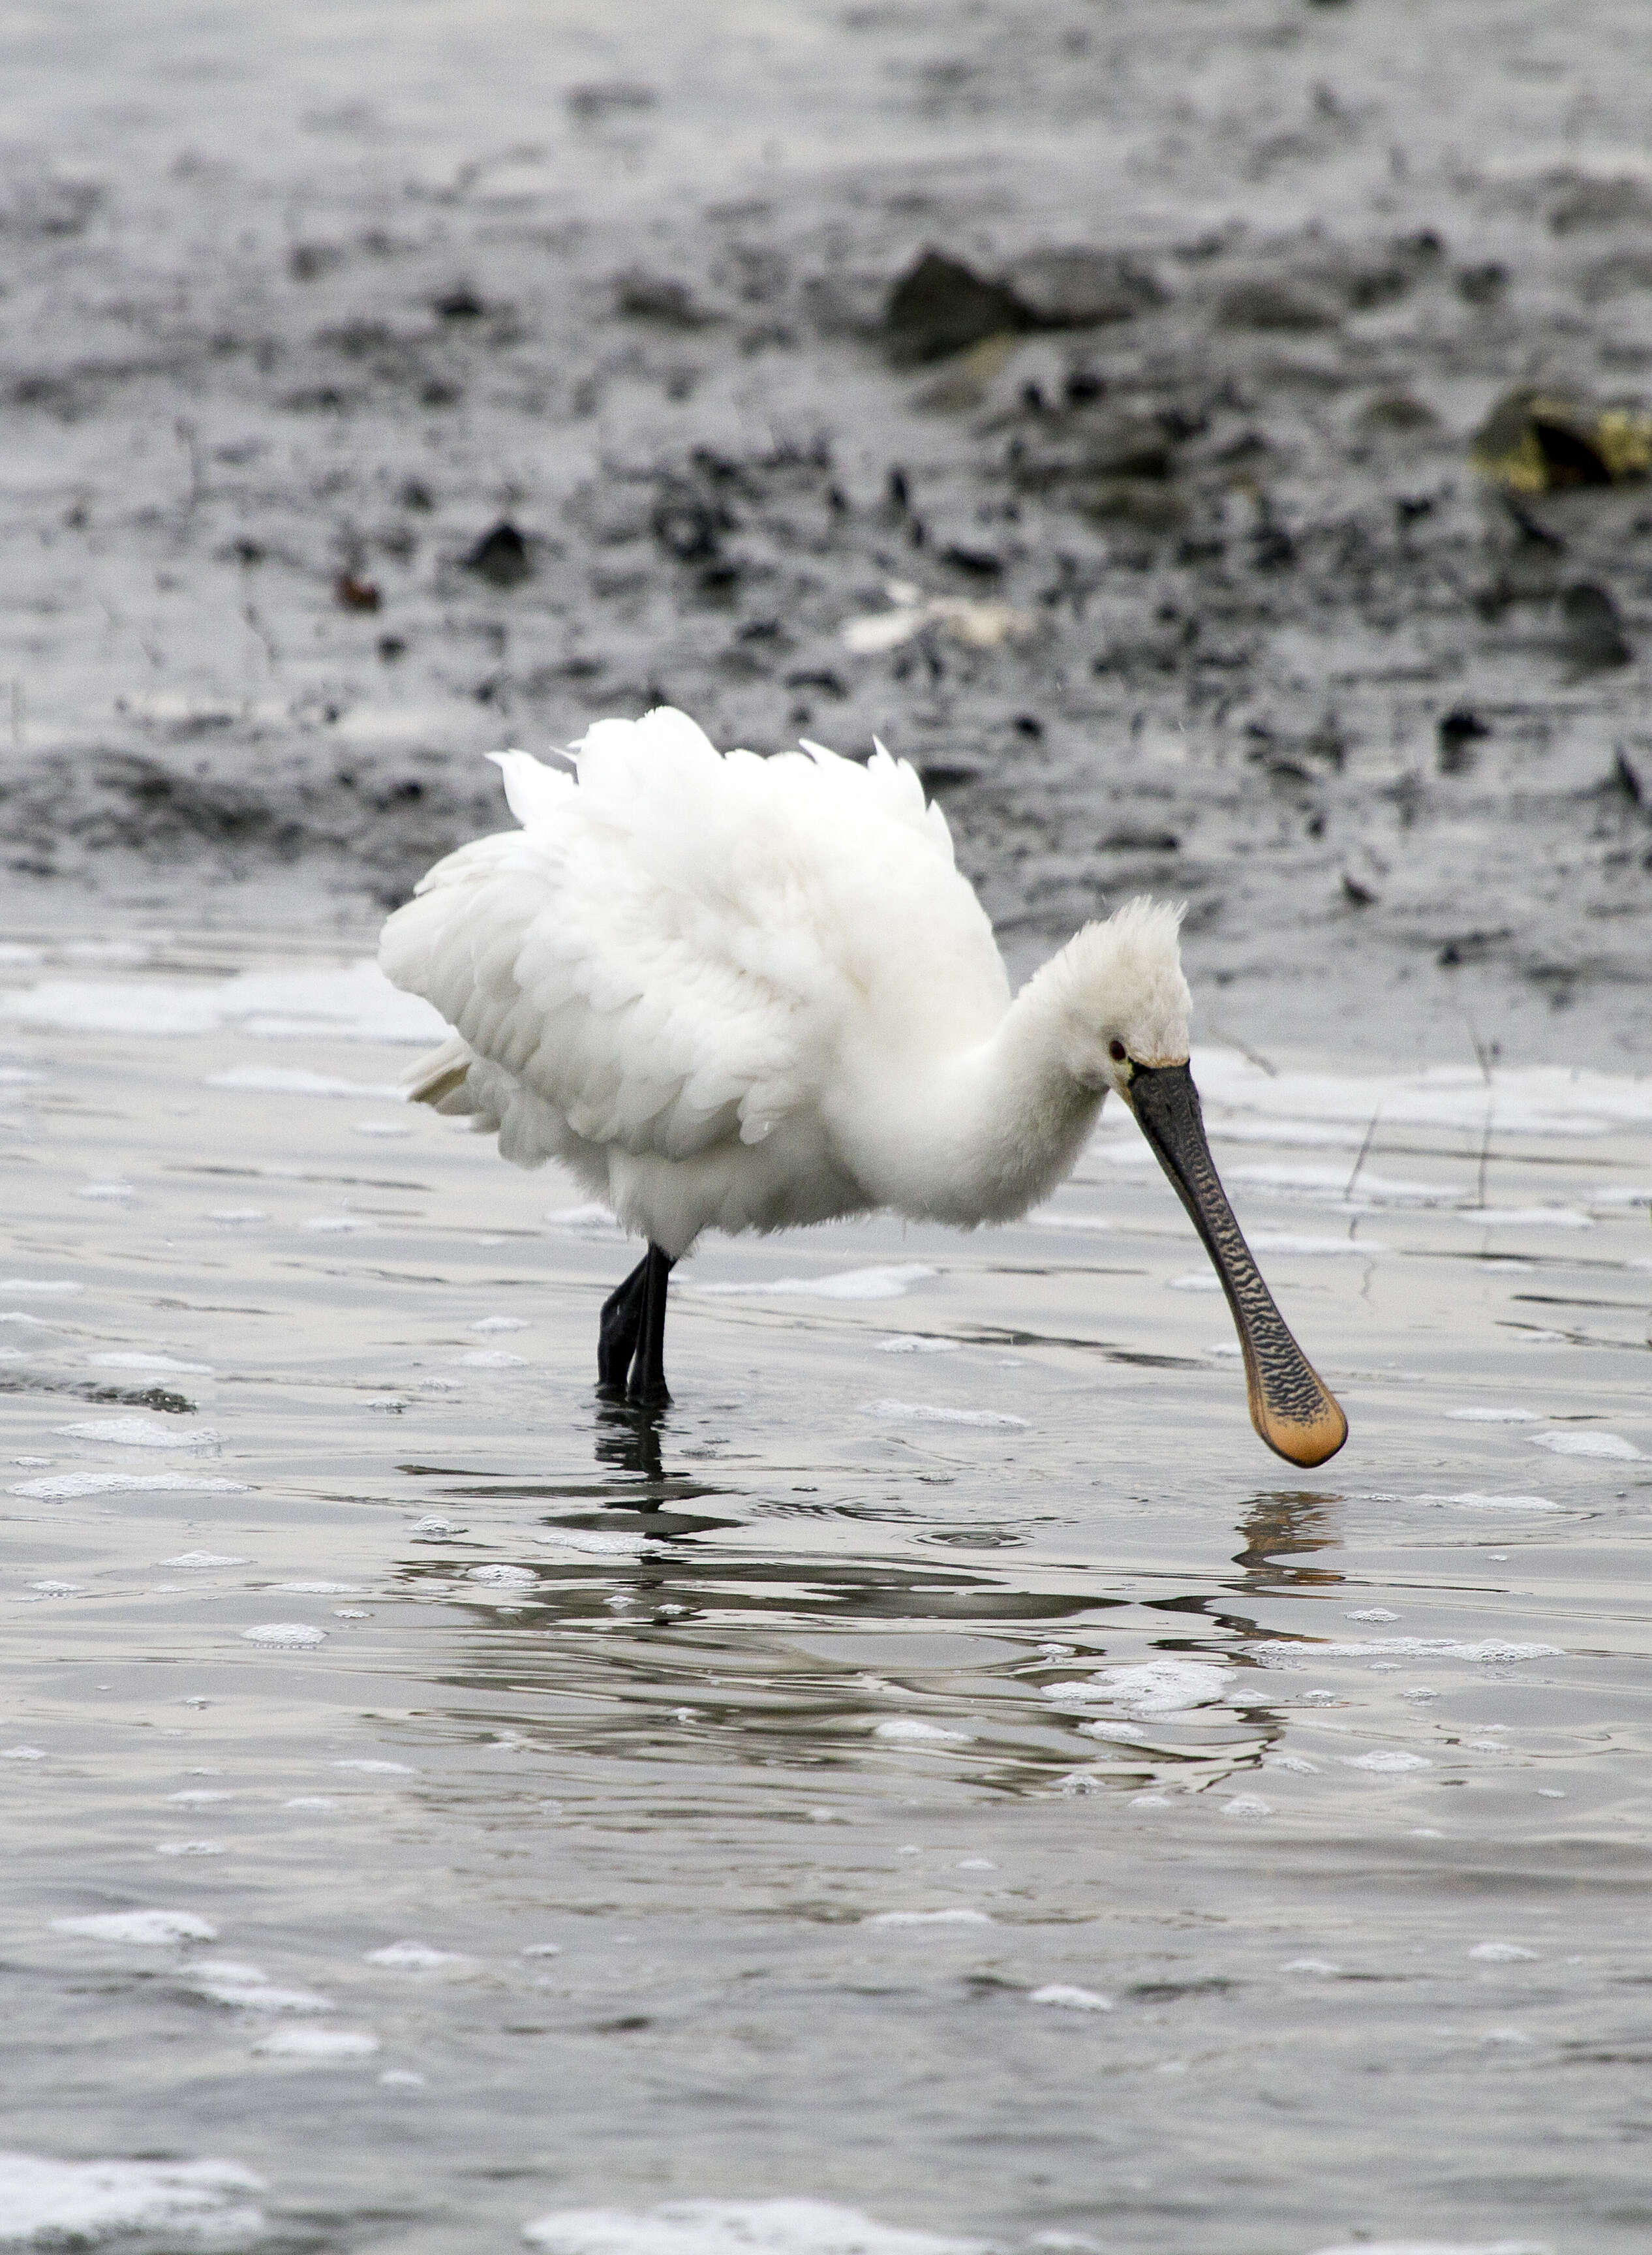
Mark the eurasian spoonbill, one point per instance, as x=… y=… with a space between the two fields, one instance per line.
x=736 y=993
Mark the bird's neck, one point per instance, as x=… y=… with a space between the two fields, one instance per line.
x=984 y=1132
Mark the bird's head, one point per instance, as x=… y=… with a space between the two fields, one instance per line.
x=1124 y=1001
x=1124 y=1013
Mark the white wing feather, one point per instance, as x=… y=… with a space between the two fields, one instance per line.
x=669 y=953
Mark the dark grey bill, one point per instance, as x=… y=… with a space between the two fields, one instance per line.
x=1291 y=1408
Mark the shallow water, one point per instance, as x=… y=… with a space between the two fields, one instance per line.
x=943 y=1767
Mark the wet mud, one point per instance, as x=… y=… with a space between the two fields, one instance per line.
x=374 y=393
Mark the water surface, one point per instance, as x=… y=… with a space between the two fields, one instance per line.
x=942 y=1767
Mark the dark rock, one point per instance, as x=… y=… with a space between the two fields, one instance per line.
x=1080 y=289
x=1594 y=636
x=981 y=563
x=501 y=557
x=644 y=297
x=940 y=306
x=1546 y=442
x=1458 y=730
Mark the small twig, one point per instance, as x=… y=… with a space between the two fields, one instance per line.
x=1365 y=1150
x=1482 y=1059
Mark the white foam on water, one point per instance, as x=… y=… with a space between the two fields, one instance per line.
x=351 y=1001
x=1322 y=1966
x=933 y=1413
x=583 y=1217
x=140 y=1433
x=1372 y=1614
x=1473 y=1500
x=1503 y=1953
x=497 y=1323
x=199 y=1797
x=310 y=1800
x=149 y=1928
x=415 y=1957
x=911 y=1730
x=292 y=1080
x=1248 y=1804
x=491 y=1358
x=374 y=1767
x=62 y=2205
x=39 y=1288
x=127 y=1360
x=1150 y=1689
x=504 y=1577
x=1489 y=1416
x=916 y=1343
x=1586 y=1445
x=1285 y=1241
x=956 y=1917
x=1524 y=1217
x=1387 y=1762
x=593 y=1544
x=191 y=1848
x=70 y=1487
x=1069 y=1998
x=1199 y=1280
x=104 y=1189
x=200 y=1560
x=292 y=1634
x=317 y=2047
x=886 y=1283
x=22 y=1753
x=244 y=1989
x=733 y=2227
x=316 y=1589
x=339 y=1225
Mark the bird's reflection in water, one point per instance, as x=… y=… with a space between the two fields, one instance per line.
x=1280 y=1525
x=628 y=1440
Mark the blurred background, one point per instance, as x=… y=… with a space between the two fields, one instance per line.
x=1207 y=437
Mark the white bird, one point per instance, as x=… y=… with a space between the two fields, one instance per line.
x=739 y=993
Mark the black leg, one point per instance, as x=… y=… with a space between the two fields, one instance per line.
x=647 y=1372
x=621 y=1321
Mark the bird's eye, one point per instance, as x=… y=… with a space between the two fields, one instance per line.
x=1115 y=1050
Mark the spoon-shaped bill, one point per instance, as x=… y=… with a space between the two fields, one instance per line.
x=1291 y=1408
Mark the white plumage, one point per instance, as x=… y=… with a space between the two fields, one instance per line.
x=737 y=992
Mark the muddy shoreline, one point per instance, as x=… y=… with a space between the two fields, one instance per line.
x=348 y=438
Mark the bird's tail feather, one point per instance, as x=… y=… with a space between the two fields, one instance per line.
x=441 y=1074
